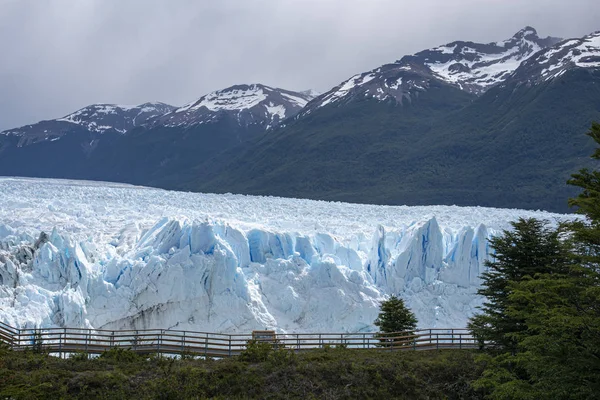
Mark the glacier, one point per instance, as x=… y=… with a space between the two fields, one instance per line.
x=115 y=256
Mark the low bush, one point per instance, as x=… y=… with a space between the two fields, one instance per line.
x=262 y=371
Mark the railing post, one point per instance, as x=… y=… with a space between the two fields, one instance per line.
x=135 y=340
x=320 y=341
x=183 y=343
x=298 y=340
x=87 y=339
x=60 y=345
x=159 y=338
x=364 y=340
x=460 y=341
x=229 y=345
x=112 y=339
x=206 y=346
x=437 y=341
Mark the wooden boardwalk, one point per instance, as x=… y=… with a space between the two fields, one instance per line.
x=166 y=341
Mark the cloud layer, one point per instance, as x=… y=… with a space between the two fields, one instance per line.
x=60 y=55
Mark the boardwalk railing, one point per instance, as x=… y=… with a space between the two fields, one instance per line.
x=168 y=341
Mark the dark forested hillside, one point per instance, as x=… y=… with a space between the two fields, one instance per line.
x=515 y=146
x=459 y=124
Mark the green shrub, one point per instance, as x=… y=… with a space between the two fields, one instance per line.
x=38 y=342
x=256 y=351
x=121 y=354
x=279 y=374
x=281 y=357
x=79 y=356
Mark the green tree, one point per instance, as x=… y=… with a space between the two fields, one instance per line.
x=587 y=232
x=560 y=350
x=394 y=317
x=558 y=340
x=529 y=249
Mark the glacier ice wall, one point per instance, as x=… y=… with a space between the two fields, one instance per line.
x=192 y=275
x=102 y=266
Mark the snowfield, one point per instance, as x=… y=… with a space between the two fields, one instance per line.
x=118 y=256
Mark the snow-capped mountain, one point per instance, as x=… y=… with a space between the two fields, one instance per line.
x=102 y=117
x=117 y=256
x=419 y=131
x=173 y=146
x=312 y=93
x=254 y=104
x=476 y=67
x=471 y=67
x=560 y=58
x=96 y=119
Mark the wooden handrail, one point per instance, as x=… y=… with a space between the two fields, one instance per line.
x=167 y=341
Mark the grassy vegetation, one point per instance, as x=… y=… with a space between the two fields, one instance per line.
x=259 y=373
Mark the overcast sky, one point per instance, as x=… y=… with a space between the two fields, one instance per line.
x=59 y=55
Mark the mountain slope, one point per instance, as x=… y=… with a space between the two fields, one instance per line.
x=496 y=124
x=248 y=104
x=337 y=151
x=514 y=146
x=471 y=67
x=161 y=152
x=96 y=118
x=61 y=147
x=371 y=116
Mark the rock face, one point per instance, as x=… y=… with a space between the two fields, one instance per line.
x=124 y=257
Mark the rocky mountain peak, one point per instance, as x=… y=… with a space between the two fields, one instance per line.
x=95 y=119
x=469 y=66
x=563 y=56
x=249 y=104
x=104 y=117
x=526 y=33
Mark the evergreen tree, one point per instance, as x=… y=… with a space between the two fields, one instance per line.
x=529 y=249
x=558 y=339
x=587 y=233
x=560 y=350
x=394 y=316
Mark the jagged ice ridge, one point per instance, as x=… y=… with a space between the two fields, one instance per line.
x=118 y=256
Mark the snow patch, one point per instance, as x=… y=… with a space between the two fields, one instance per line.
x=229 y=99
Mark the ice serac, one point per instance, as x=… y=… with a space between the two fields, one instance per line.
x=200 y=275
x=126 y=257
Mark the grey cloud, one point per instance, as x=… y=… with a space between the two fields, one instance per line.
x=60 y=55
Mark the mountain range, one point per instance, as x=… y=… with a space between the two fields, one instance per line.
x=498 y=124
